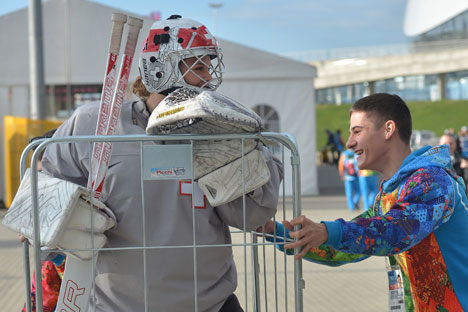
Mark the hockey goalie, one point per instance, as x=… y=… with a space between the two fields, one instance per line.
x=180 y=68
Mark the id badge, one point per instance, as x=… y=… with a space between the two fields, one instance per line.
x=396 y=295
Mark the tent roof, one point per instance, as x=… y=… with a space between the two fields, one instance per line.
x=244 y=62
x=76 y=39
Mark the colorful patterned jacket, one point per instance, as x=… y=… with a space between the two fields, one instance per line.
x=421 y=217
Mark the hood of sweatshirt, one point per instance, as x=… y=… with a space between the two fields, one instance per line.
x=427 y=156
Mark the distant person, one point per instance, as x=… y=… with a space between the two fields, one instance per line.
x=452 y=132
x=324 y=159
x=369 y=186
x=339 y=143
x=349 y=174
x=463 y=137
x=460 y=165
x=332 y=146
x=419 y=219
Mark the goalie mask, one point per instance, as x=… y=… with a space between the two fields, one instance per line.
x=169 y=43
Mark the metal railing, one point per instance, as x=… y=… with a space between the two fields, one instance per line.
x=286 y=141
x=376 y=51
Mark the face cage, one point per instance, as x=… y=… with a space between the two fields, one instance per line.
x=215 y=68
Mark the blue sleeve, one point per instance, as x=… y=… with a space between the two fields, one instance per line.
x=323 y=254
x=423 y=204
x=281 y=234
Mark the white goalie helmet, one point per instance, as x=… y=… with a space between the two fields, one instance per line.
x=169 y=43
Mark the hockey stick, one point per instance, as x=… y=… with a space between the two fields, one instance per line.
x=118 y=22
x=135 y=25
x=77 y=280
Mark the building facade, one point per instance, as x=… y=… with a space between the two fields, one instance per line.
x=432 y=67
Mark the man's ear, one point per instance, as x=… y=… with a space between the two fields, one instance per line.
x=390 y=129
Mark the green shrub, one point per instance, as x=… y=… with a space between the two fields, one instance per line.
x=435 y=116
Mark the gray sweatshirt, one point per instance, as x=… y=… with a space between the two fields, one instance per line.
x=168 y=220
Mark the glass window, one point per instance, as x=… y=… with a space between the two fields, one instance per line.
x=62 y=100
x=456 y=85
x=325 y=96
x=411 y=88
x=455 y=28
x=271 y=122
x=341 y=95
x=270 y=118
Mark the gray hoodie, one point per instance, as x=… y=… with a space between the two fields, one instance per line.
x=168 y=220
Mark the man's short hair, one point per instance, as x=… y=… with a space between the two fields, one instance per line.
x=382 y=107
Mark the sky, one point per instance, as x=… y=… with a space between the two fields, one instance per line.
x=280 y=26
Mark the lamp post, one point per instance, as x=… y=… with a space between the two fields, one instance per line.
x=36 y=62
x=215 y=6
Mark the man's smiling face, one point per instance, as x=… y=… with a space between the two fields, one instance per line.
x=367 y=140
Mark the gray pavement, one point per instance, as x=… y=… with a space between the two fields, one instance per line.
x=354 y=287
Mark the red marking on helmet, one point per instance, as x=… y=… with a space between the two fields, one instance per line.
x=148 y=45
x=200 y=39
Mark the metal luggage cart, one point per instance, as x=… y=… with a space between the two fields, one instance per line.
x=268 y=280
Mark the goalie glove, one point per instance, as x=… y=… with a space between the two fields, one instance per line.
x=225 y=184
x=217 y=163
x=191 y=111
x=65 y=213
x=211 y=155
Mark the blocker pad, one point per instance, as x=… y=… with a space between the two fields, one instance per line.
x=65 y=213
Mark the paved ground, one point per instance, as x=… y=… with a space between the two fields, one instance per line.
x=356 y=287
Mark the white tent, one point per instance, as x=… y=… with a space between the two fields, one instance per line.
x=255 y=77
x=76 y=38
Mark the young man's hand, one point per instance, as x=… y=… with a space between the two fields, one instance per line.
x=268 y=228
x=310 y=235
x=21 y=238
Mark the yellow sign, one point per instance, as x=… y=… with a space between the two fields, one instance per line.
x=18 y=132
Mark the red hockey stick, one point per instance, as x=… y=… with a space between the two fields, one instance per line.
x=77 y=280
x=135 y=25
x=118 y=22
